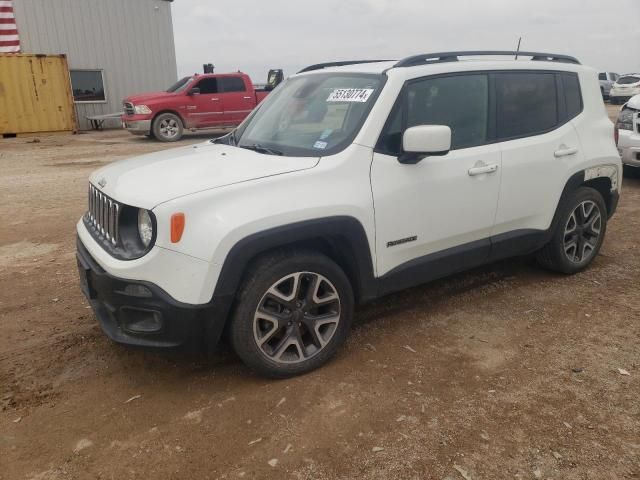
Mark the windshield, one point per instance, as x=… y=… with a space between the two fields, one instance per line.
x=628 y=80
x=311 y=115
x=179 y=85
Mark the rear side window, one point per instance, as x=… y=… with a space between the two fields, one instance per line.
x=232 y=84
x=572 y=95
x=526 y=103
x=208 y=85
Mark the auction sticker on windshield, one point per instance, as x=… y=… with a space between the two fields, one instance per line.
x=350 y=95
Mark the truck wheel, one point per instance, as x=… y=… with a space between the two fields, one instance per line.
x=579 y=233
x=167 y=127
x=294 y=311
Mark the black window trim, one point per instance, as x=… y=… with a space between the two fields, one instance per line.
x=492 y=121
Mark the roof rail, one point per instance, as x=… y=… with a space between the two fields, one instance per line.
x=320 y=66
x=427 y=58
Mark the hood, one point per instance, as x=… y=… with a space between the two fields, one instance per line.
x=634 y=102
x=143 y=97
x=151 y=179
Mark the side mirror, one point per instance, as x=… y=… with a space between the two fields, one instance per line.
x=194 y=91
x=425 y=141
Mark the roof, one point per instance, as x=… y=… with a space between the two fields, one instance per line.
x=449 y=59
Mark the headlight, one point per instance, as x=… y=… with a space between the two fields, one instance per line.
x=145 y=227
x=625 y=120
x=142 y=109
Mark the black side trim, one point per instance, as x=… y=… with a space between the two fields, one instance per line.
x=344 y=235
x=518 y=242
x=433 y=266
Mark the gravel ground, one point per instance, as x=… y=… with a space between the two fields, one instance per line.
x=507 y=371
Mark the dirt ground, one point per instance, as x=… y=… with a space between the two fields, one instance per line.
x=507 y=371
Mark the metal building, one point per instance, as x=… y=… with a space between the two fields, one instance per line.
x=114 y=48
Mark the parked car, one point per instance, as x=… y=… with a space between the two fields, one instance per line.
x=607 y=79
x=270 y=233
x=628 y=133
x=193 y=103
x=625 y=87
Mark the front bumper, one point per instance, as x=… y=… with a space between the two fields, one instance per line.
x=141 y=313
x=137 y=127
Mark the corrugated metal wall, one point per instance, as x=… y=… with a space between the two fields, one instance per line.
x=130 y=40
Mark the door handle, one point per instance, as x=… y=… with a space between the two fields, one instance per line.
x=479 y=170
x=215 y=99
x=247 y=98
x=563 y=151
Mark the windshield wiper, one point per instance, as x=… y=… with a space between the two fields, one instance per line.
x=256 y=147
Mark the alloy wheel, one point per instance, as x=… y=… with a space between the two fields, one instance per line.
x=297 y=317
x=582 y=232
x=169 y=127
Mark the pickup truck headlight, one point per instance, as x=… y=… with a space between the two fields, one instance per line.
x=145 y=227
x=142 y=110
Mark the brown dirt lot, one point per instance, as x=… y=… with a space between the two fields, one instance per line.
x=503 y=372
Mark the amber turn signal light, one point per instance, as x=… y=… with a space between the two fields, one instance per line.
x=177 y=227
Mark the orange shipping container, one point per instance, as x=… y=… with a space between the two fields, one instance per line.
x=35 y=94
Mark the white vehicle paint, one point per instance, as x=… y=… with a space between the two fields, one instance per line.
x=624 y=88
x=466 y=189
x=628 y=128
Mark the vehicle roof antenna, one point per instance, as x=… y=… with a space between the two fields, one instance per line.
x=518 y=49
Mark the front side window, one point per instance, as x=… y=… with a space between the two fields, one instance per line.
x=311 y=115
x=461 y=102
x=231 y=84
x=526 y=103
x=87 y=86
x=208 y=86
x=602 y=76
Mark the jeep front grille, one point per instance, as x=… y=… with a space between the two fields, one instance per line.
x=103 y=214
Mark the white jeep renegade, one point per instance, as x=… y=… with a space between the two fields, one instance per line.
x=352 y=180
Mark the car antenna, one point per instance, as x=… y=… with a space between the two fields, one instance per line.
x=518 y=49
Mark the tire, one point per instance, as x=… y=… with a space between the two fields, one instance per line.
x=579 y=232
x=275 y=316
x=167 y=127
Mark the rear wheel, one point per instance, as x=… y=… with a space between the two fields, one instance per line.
x=579 y=233
x=167 y=127
x=294 y=311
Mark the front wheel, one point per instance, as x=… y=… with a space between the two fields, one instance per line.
x=167 y=127
x=293 y=313
x=579 y=233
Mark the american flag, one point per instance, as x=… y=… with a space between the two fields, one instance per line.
x=9 y=41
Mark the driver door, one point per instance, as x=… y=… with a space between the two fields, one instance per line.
x=205 y=109
x=441 y=209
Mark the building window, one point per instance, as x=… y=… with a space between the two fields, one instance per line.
x=88 y=86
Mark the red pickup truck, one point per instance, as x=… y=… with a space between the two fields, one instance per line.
x=200 y=101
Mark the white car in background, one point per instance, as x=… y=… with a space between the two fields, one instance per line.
x=625 y=87
x=628 y=132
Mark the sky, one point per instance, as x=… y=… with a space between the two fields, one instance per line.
x=256 y=35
